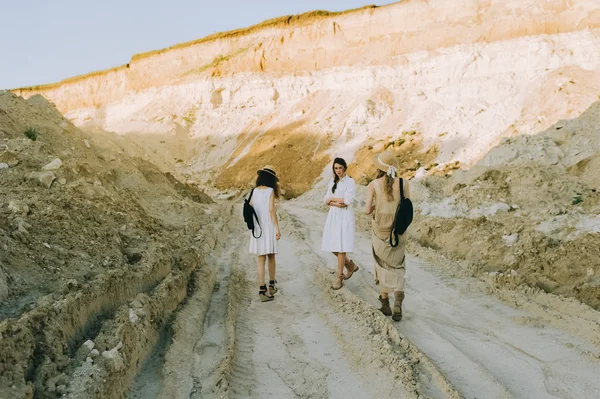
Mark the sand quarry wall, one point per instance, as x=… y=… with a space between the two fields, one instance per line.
x=460 y=75
x=441 y=83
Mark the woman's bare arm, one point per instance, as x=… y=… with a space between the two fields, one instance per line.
x=274 y=215
x=369 y=206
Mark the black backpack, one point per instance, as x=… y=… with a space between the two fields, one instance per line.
x=403 y=218
x=250 y=215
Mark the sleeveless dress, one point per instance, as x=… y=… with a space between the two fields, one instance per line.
x=267 y=242
x=390 y=264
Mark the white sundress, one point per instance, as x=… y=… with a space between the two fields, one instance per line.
x=338 y=233
x=267 y=242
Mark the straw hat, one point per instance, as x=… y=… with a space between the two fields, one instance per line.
x=268 y=169
x=386 y=161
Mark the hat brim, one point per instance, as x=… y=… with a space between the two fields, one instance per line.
x=267 y=171
x=377 y=163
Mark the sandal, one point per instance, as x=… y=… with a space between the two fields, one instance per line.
x=272 y=288
x=264 y=295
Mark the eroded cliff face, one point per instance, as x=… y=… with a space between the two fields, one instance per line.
x=451 y=77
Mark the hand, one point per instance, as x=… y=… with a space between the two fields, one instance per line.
x=278 y=235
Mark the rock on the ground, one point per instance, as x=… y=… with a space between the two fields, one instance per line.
x=499 y=207
x=3 y=165
x=17 y=207
x=510 y=240
x=89 y=344
x=9 y=159
x=55 y=382
x=44 y=178
x=133 y=318
x=113 y=358
x=55 y=164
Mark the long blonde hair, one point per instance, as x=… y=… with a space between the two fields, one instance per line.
x=388 y=186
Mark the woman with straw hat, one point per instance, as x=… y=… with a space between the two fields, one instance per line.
x=264 y=247
x=382 y=201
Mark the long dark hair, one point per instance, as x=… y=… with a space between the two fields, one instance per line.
x=388 y=185
x=268 y=179
x=336 y=178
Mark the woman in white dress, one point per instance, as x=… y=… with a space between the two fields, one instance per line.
x=338 y=234
x=267 y=229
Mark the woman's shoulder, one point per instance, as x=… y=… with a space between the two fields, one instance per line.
x=349 y=181
x=264 y=188
x=373 y=183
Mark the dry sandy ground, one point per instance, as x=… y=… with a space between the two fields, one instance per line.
x=456 y=340
x=484 y=347
x=304 y=344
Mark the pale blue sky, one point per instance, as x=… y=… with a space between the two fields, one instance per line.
x=44 y=41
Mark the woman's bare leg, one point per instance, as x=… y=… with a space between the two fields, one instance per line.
x=341 y=258
x=272 y=265
x=336 y=254
x=260 y=270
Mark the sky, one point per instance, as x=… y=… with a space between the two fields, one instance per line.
x=45 y=41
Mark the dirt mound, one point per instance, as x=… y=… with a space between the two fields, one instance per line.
x=83 y=230
x=529 y=209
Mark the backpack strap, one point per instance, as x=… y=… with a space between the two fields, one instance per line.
x=401 y=189
x=254 y=215
x=393 y=236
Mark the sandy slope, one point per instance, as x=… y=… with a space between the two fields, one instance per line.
x=460 y=74
x=481 y=344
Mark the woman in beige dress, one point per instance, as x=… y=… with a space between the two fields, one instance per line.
x=382 y=200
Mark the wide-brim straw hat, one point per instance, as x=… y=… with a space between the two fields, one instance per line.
x=384 y=160
x=268 y=169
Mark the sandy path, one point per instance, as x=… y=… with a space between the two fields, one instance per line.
x=313 y=342
x=476 y=340
x=285 y=347
x=229 y=344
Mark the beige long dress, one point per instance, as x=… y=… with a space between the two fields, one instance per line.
x=389 y=261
